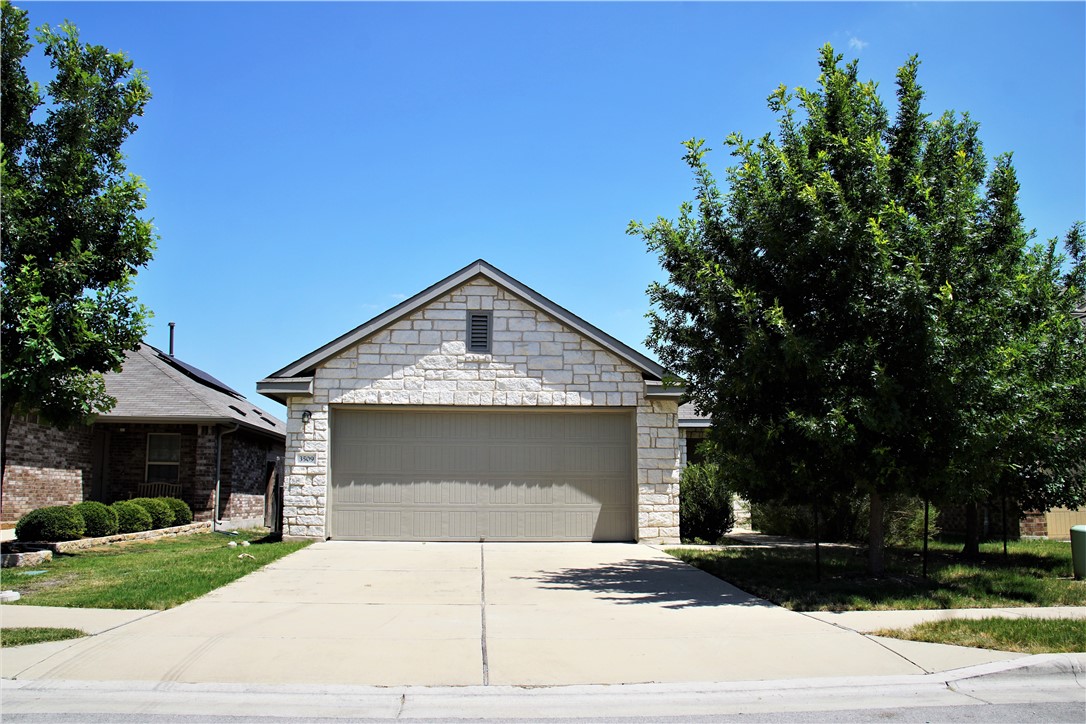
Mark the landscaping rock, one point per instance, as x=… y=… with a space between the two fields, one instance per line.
x=25 y=558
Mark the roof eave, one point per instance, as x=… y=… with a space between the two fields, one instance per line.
x=185 y=420
x=655 y=390
x=280 y=389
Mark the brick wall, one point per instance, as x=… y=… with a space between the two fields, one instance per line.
x=196 y=473
x=534 y=361
x=44 y=466
x=245 y=464
x=127 y=467
x=1034 y=525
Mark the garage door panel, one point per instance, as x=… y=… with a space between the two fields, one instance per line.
x=493 y=475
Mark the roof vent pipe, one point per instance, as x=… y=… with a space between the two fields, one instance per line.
x=172 y=325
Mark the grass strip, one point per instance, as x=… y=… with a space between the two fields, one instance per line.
x=1034 y=573
x=11 y=637
x=1024 y=635
x=156 y=574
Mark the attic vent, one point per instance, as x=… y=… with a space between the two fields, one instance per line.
x=479 y=324
x=238 y=410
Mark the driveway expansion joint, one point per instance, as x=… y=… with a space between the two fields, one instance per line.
x=482 y=610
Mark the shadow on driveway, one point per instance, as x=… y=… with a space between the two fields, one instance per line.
x=672 y=583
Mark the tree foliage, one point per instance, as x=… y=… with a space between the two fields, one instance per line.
x=861 y=312
x=73 y=238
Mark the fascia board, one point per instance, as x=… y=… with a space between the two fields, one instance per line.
x=162 y=420
x=658 y=391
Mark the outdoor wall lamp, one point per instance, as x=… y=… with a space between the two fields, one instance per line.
x=305 y=417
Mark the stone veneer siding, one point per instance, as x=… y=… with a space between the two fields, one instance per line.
x=535 y=361
x=44 y=466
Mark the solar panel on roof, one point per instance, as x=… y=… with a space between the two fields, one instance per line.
x=195 y=373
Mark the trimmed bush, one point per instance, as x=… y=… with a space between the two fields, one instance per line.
x=100 y=518
x=131 y=518
x=182 y=513
x=161 y=512
x=705 y=504
x=51 y=524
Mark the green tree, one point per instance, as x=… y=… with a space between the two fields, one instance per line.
x=73 y=238
x=840 y=310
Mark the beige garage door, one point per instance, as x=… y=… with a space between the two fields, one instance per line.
x=495 y=475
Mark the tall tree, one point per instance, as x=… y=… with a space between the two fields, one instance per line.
x=831 y=309
x=73 y=238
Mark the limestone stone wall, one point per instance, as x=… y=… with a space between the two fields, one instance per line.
x=534 y=361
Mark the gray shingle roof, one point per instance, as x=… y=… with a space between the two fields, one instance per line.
x=689 y=417
x=152 y=386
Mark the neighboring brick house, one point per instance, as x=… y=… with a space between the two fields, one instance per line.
x=479 y=410
x=173 y=425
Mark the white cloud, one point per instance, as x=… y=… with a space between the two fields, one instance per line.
x=857 y=44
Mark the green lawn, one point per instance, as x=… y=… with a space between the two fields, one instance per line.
x=36 y=635
x=1035 y=573
x=150 y=575
x=1028 y=636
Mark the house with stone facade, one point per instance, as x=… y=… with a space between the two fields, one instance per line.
x=175 y=430
x=478 y=409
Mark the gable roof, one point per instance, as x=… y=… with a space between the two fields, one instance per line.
x=278 y=382
x=155 y=387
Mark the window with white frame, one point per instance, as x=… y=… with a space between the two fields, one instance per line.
x=163 y=457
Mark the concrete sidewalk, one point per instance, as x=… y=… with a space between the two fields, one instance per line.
x=463 y=614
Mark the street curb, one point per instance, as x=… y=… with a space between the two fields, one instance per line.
x=1070 y=666
x=1047 y=665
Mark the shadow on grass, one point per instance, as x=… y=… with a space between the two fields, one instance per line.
x=671 y=583
x=787 y=576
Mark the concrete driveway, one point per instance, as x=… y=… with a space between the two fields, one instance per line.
x=390 y=614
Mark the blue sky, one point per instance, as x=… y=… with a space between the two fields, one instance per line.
x=312 y=164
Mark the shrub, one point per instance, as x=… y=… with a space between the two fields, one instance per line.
x=905 y=522
x=100 y=518
x=846 y=519
x=54 y=523
x=182 y=513
x=705 y=504
x=161 y=512
x=131 y=518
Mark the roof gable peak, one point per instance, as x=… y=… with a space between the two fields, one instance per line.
x=480 y=267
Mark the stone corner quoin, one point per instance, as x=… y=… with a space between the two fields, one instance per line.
x=535 y=361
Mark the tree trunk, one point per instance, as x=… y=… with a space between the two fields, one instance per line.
x=876 y=559
x=972 y=531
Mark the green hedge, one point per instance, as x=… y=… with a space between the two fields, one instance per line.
x=182 y=513
x=161 y=512
x=131 y=518
x=51 y=524
x=100 y=518
x=96 y=520
x=705 y=504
